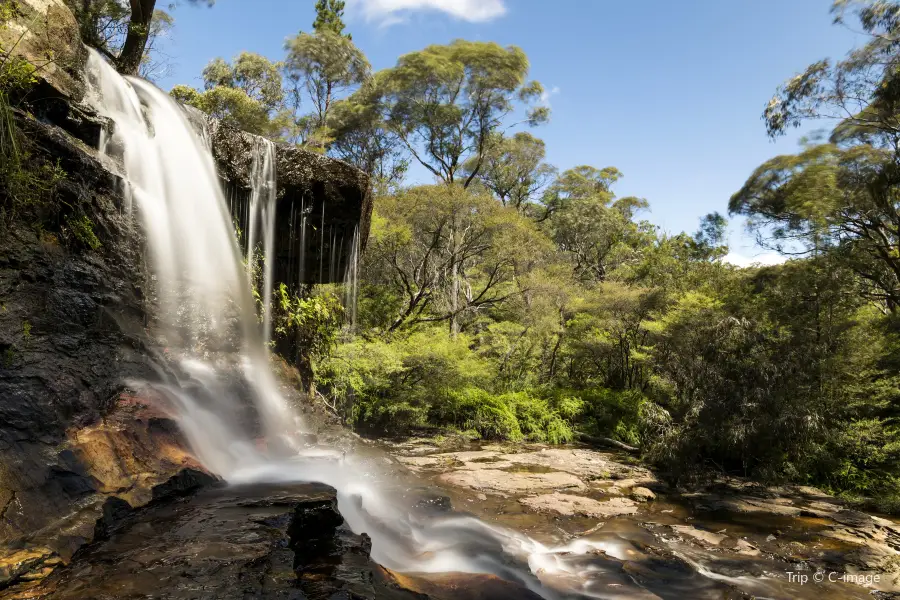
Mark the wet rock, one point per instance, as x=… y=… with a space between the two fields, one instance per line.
x=19 y=564
x=570 y=505
x=701 y=535
x=184 y=482
x=460 y=586
x=267 y=542
x=504 y=482
x=434 y=505
x=642 y=494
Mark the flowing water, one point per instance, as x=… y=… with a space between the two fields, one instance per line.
x=205 y=306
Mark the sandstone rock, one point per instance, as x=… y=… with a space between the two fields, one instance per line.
x=503 y=482
x=584 y=463
x=418 y=462
x=707 y=537
x=642 y=494
x=46 y=34
x=468 y=456
x=571 y=505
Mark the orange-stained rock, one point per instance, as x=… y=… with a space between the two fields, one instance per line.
x=458 y=586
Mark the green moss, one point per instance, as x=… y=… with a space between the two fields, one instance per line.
x=26 y=330
x=83 y=230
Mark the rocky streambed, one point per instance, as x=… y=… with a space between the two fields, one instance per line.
x=730 y=539
x=609 y=529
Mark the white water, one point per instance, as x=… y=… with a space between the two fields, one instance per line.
x=262 y=213
x=205 y=304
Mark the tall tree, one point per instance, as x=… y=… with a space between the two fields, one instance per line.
x=420 y=237
x=445 y=102
x=361 y=137
x=321 y=67
x=329 y=17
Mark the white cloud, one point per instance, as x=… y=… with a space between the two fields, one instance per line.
x=389 y=12
x=763 y=258
x=545 y=95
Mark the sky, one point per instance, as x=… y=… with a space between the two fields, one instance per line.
x=670 y=93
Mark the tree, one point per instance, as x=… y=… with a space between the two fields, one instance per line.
x=445 y=102
x=513 y=168
x=360 y=137
x=861 y=91
x=578 y=182
x=123 y=31
x=840 y=197
x=448 y=253
x=322 y=67
x=709 y=240
x=245 y=94
x=329 y=17
x=826 y=198
x=590 y=225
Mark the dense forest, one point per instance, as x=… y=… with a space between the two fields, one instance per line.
x=509 y=299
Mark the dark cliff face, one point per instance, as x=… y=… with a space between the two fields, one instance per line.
x=334 y=197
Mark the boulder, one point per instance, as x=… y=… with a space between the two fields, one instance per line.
x=642 y=494
x=570 y=505
x=46 y=34
x=504 y=482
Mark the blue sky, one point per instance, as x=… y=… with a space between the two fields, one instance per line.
x=669 y=92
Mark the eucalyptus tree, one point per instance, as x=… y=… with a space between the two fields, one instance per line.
x=322 y=67
x=513 y=168
x=445 y=103
x=246 y=93
x=841 y=196
x=448 y=253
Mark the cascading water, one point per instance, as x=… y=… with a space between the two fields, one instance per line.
x=262 y=213
x=351 y=279
x=206 y=305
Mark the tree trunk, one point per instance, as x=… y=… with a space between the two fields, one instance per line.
x=454 y=286
x=136 y=41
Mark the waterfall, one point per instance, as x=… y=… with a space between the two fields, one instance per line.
x=351 y=279
x=203 y=291
x=262 y=213
x=205 y=306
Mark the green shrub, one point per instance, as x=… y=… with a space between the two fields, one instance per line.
x=495 y=420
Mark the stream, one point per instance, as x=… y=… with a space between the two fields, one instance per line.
x=585 y=523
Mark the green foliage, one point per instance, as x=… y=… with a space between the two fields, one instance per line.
x=26 y=330
x=27 y=182
x=245 y=94
x=512 y=168
x=306 y=328
x=322 y=67
x=83 y=230
x=445 y=102
x=329 y=17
